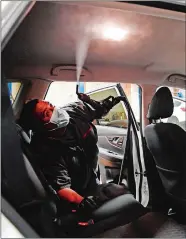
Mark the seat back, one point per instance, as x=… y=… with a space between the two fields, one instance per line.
x=25 y=140
x=36 y=205
x=167 y=143
x=41 y=210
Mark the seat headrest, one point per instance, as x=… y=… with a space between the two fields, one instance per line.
x=161 y=105
x=23 y=134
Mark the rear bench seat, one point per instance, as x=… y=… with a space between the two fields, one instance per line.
x=41 y=211
x=116 y=212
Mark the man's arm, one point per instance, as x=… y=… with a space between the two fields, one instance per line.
x=99 y=109
x=60 y=180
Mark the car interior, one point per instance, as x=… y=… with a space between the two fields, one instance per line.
x=44 y=47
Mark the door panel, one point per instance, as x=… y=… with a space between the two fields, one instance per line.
x=111 y=143
x=111 y=135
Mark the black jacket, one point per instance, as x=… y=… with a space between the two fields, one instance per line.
x=72 y=161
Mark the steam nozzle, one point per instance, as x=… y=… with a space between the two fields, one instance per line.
x=77 y=89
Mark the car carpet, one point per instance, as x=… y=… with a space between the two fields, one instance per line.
x=151 y=225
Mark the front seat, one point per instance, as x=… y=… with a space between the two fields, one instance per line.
x=167 y=143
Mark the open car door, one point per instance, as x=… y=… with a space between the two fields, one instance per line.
x=120 y=142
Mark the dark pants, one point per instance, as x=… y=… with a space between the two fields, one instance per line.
x=105 y=192
x=117 y=211
x=108 y=191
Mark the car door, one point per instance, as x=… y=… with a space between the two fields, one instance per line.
x=112 y=132
x=113 y=141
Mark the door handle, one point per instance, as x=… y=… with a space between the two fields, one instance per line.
x=116 y=141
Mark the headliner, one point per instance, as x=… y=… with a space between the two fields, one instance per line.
x=154 y=49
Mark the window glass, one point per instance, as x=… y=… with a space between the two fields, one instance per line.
x=133 y=93
x=179 y=113
x=176 y=103
x=13 y=89
x=117 y=113
x=62 y=93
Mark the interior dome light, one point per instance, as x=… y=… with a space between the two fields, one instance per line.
x=114 y=33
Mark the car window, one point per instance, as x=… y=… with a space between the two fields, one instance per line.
x=117 y=112
x=13 y=89
x=179 y=113
x=132 y=91
x=118 y=123
x=176 y=103
x=61 y=93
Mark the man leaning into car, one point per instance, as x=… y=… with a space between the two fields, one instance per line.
x=66 y=141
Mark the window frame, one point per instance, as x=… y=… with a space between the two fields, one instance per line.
x=138 y=124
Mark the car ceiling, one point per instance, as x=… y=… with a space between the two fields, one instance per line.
x=153 y=49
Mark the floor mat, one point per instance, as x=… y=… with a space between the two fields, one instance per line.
x=153 y=225
x=171 y=229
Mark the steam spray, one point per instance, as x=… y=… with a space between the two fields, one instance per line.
x=81 y=54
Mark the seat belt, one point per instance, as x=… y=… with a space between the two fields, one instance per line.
x=127 y=146
x=40 y=174
x=127 y=150
x=131 y=130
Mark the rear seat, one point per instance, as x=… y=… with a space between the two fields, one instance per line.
x=25 y=140
x=116 y=212
x=41 y=211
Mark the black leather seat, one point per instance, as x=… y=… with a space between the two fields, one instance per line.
x=167 y=143
x=118 y=211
